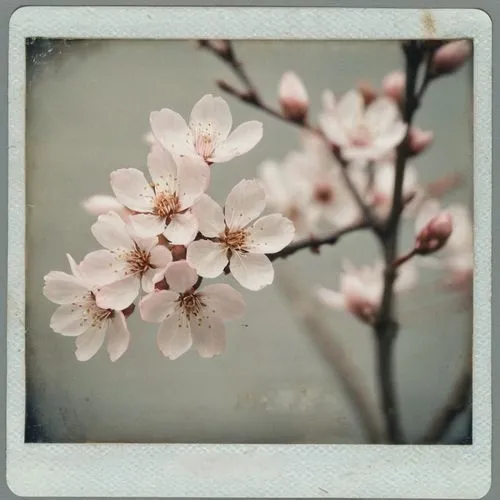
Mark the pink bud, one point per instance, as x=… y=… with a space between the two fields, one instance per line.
x=393 y=85
x=221 y=46
x=293 y=97
x=435 y=234
x=451 y=56
x=420 y=139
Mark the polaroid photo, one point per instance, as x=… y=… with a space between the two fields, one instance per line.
x=249 y=252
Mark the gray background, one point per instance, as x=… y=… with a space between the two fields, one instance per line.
x=87 y=109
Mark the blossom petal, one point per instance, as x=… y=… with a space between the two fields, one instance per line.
x=90 y=342
x=350 y=108
x=156 y=306
x=391 y=138
x=428 y=210
x=118 y=336
x=244 y=203
x=210 y=216
x=241 y=140
x=174 y=336
x=381 y=114
x=118 y=295
x=331 y=298
x=150 y=278
x=209 y=334
x=407 y=277
x=270 y=234
x=207 y=257
x=62 y=288
x=211 y=116
x=100 y=204
x=111 y=232
x=182 y=228
x=132 y=189
x=333 y=129
x=180 y=276
x=160 y=257
x=194 y=177
x=69 y=320
x=252 y=271
x=147 y=225
x=224 y=301
x=103 y=267
x=163 y=169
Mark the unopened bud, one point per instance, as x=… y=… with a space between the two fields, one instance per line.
x=419 y=140
x=435 y=234
x=178 y=252
x=221 y=46
x=451 y=56
x=393 y=85
x=293 y=97
x=367 y=91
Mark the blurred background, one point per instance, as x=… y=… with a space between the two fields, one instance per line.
x=88 y=104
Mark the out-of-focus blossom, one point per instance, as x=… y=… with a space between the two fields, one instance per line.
x=363 y=133
x=368 y=92
x=79 y=316
x=451 y=56
x=328 y=101
x=207 y=135
x=433 y=227
x=233 y=240
x=189 y=316
x=419 y=140
x=293 y=96
x=361 y=289
x=126 y=263
x=101 y=204
x=393 y=85
x=164 y=206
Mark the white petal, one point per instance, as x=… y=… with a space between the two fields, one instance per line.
x=210 y=216
x=118 y=336
x=462 y=237
x=211 y=116
x=273 y=179
x=182 y=228
x=172 y=132
x=331 y=298
x=111 y=232
x=427 y=211
x=350 y=108
x=244 y=203
x=160 y=257
x=75 y=268
x=391 y=138
x=69 y=320
x=102 y=204
x=174 y=337
x=224 y=301
x=241 y=140
x=194 y=177
x=62 y=288
x=270 y=234
x=180 y=276
x=209 y=334
x=156 y=306
x=252 y=271
x=147 y=225
x=407 y=277
x=103 y=267
x=132 y=189
x=163 y=169
x=381 y=115
x=90 y=342
x=333 y=129
x=207 y=257
x=150 y=278
x=118 y=295
x=328 y=100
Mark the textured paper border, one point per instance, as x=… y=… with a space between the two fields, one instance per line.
x=175 y=470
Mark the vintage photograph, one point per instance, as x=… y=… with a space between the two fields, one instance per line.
x=249 y=241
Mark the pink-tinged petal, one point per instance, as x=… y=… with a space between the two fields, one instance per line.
x=364 y=153
x=391 y=137
x=211 y=116
x=270 y=234
x=147 y=225
x=163 y=169
x=174 y=336
x=461 y=239
x=333 y=129
x=180 y=276
x=150 y=278
x=393 y=85
x=75 y=269
x=381 y=114
x=207 y=257
x=62 y=288
x=428 y=210
x=182 y=229
x=252 y=271
x=293 y=96
x=224 y=301
x=331 y=298
x=244 y=203
x=328 y=100
x=209 y=334
x=90 y=342
x=102 y=267
x=160 y=257
x=172 y=132
x=350 y=109
x=194 y=177
x=132 y=189
x=118 y=336
x=210 y=216
x=241 y=140
x=102 y=204
x=111 y=232
x=118 y=295
x=69 y=320
x=156 y=306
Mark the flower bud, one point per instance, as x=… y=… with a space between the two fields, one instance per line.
x=293 y=97
x=367 y=91
x=393 y=85
x=451 y=56
x=420 y=140
x=435 y=234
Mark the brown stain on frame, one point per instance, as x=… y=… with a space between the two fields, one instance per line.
x=428 y=24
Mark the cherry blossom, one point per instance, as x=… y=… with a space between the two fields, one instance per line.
x=126 y=262
x=363 y=133
x=79 y=316
x=293 y=96
x=207 y=135
x=101 y=204
x=233 y=240
x=190 y=316
x=164 y=206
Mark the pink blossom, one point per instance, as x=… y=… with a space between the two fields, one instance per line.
x=189 y=316
x=363 y=133
x=433 y=228
x=233 y=240
x=451 y=56
x=126 y=262
x=293 y=96
x=79 y=316
x=207 y=135
x=163 y=207
x=393 y=85
x=100 y=204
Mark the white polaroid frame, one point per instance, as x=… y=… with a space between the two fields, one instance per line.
x=212 y=470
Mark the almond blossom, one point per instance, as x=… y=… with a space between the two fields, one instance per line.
x=293 y=96
x=190 y=316
x=361 y=289
x=126 y=263
x=207 y=135
x=363 y=133
x=232 y=240
x=79 y=316
x=163 y=207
